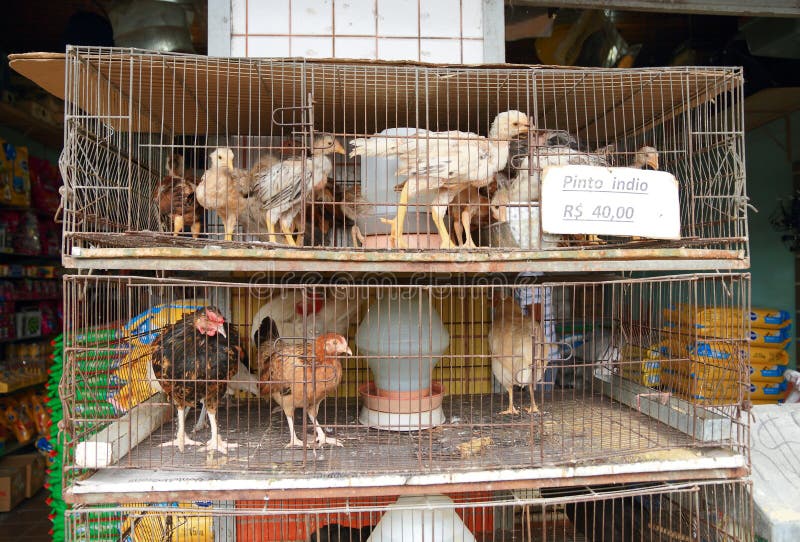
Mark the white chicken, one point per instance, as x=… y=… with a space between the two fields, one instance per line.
x=439 y=165
x=283 y=189
x=221 y=189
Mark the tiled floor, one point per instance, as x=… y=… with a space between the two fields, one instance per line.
x=27 y=522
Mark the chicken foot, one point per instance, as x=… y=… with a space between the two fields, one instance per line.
x=322 y=438
x=181 y=440
x=511 y=409
x=215 y=443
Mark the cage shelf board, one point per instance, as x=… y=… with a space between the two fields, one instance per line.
x=215 y=258
x=624 y=443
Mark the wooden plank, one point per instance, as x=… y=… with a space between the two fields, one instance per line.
x=115 y=441
x=693 y=420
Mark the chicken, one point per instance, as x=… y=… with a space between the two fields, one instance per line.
x=518 y=352
x=468 y=209
x=175 y=197
x=192 y=361
x=223 y=188
x=646 y=158
x=301 y=375
x=283 y=189
x=439 y=165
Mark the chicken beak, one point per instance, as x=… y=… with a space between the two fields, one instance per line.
x=337 y=147
x=348 y=351
x=524 y=129
x=652 y=161
x=221 y=330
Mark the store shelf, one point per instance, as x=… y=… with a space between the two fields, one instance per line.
x=4 y=388
x=12 y=447
x=37 y=338
x=50 y=135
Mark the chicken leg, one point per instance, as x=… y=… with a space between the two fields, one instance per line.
x=293 y=440
x=273 y=237
x=533 y=409
x=438 y=211
x=466 y=224
x=181 y=440
x=230 y=225
x=196 y=229
x=322 y=438
x=177 y=224
x=511 y=409
x=288 y=234
x=215 y=443
x=398 y=222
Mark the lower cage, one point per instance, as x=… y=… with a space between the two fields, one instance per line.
x=443 y=379
x=710 y=511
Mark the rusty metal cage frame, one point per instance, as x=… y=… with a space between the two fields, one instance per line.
x=126 y=109
x=715 y=510
x=599 y=414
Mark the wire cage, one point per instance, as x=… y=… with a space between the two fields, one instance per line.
x=488 y=380
x=143 y=128
x=712 y=511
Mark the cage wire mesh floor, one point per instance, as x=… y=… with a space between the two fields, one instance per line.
x=591 y=432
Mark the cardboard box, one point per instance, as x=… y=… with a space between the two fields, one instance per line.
x=34 y=468
x=12 y=487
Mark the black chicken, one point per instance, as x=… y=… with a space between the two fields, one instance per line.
x=193 y=361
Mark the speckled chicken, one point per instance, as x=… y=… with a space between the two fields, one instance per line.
x=286 y=187
x=518 y=353
x=439 y=165
x=223 y=189
x=193 y=360
x=300 y=375
x=175 y=197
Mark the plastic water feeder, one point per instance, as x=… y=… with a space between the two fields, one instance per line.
x=403 y=338
x=423 y=518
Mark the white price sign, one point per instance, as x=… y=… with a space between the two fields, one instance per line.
x=610 y=201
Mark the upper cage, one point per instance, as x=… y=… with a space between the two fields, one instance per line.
x=169 y=157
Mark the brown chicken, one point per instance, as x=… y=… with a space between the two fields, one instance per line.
x=193 y=360
x=175 y=197
x=469 y=210
x=300 y=375
x=223 y=189
x=518 y=352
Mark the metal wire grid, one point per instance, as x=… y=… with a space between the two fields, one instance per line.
x=127 y=110
x=712 y=511
x=595 y=341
